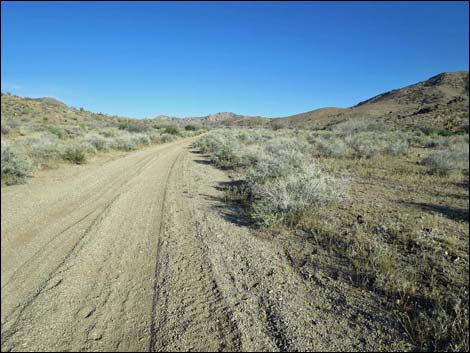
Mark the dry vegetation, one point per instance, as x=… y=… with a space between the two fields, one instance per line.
x=40 y=133
x=384 y=210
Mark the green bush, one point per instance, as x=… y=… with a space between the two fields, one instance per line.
x=428 y=130
x=56 y=131
x=172 y=130
x=190 y=128
x=133 y=126
x=75 y=154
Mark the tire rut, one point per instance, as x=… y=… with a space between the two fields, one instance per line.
x=191 y=312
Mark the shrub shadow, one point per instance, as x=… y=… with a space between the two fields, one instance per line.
x=454 y=213
x=230 y=211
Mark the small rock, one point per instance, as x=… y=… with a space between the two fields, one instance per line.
x=96 y=335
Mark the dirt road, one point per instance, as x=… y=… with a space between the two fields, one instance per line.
x=141 y=253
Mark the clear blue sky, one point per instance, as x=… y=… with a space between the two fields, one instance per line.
x=141 y=59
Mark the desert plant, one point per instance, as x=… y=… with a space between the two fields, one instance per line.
x=172 y=130
x=369 y=144
x=56 y=131
x=75 y=154
x=99 y=142
x=167 y=137
x=335 y=148
x=133 y=126
x=446 y=162
x=283 y=198
x=15 y=166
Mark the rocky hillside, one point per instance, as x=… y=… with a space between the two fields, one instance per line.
x=441 y=101
x=214 y=120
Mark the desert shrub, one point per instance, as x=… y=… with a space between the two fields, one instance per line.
x=278 y=126
x=225 y=153
x=167 y=137
x=45 y=148
x=190 y=128
x=428 y=130
x=141 y=139
x=279 y=144
x=335 y=148
x=210 y=142
x=99 y=142
x=88 y=147
x=133 y=126
x=154 y=137
x=445 y=132
x=124 y=142
x=446 y=162
x=172 y=130
x=15 y=166
x=73 y=131
x=189 y=133
x=283 y=198
x=56 y=131
x=109 y=132
x=396 y=144
x=270 y=166
x=250 y=155
x=419 y=139
x=433 y=141
x=75 y=154
x=368 y=144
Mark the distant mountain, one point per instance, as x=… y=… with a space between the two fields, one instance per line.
x=440 y=101
x=211 y=120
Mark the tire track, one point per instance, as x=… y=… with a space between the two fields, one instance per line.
x=101 y=212
x=198 y=317
x=153 y=326
x=90 y=198
x=95 y=295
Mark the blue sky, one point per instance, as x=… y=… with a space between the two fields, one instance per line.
x=141 y=59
